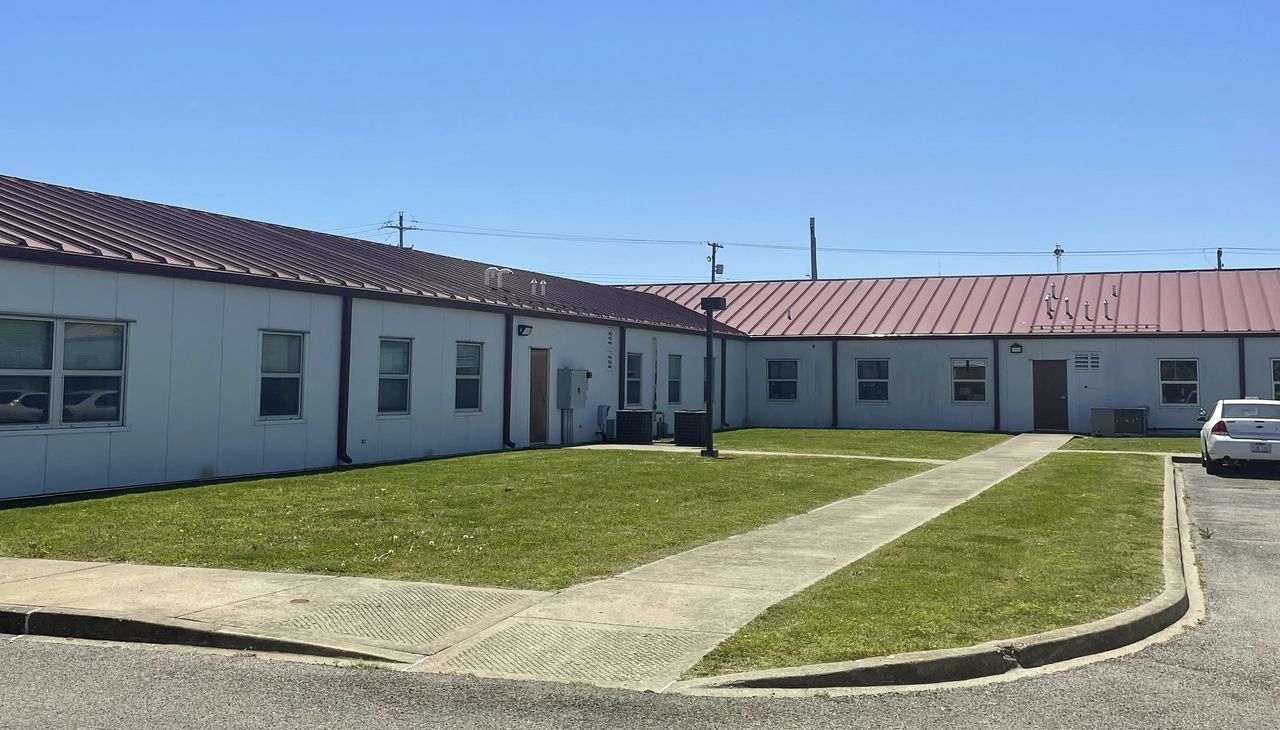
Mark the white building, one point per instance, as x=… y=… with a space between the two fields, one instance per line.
x=146 y=344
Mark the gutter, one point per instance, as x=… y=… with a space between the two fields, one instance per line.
x=507 y=356
x=344 y=380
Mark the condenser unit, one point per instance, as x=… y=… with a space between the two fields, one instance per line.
x=1119 y=422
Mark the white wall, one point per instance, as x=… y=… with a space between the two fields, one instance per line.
x=812 y=407
x=1258 y=354
x=191 y=383
x=1129 y=377
x=433 y=427
x=920 y=386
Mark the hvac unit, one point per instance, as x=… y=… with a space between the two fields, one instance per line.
x=634 y=426
x=1119 y=422
x=691 y=428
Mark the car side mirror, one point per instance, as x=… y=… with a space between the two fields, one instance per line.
x=1202 y=416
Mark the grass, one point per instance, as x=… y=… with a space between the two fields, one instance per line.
x=860 y=442
x=1068 y=540
x=1152 y=444
x=535 y=519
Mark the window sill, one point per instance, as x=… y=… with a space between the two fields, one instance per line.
x=280 y=421
x=468 y=413
x=394 y=416
x=782 y=401
x=19 y=431
x=872 y=402
x=970 y=403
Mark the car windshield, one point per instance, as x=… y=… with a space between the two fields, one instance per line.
x=1251 y=410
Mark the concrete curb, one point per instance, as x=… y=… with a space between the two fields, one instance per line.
x=76 y=624
x=996 y=657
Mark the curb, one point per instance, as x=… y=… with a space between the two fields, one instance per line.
x=996 y=657
x=70 y=623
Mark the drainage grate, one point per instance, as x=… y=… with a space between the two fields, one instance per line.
x=410 y=615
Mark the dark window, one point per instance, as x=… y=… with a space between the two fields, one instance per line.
x=783 y=379
x=466 y=389
x=969 y=381
x=393 y=375
x=280 y=394
x=635 y=363
x=89 y=367
x=673 y=378
x=1179 y=382
x=873 y=380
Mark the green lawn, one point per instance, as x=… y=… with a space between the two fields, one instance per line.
x=534 y=519
x=860 y=442
x=1153 y=444
x=1070 y=539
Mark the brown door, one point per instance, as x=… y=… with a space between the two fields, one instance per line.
x=538 y=390
x=1049 y=393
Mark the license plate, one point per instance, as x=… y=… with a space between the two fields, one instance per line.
x=1260 y=448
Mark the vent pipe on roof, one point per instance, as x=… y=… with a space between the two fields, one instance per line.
x=1053 y=289
x=533 y=287
x=542 y=287
x=1067 y=303
x=1086 y=311
x=1115 y=291
x=1106 y=309
x=1048 y=305
x=502 y=273
x=490 y=274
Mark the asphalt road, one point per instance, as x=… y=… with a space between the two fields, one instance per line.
x=1223 y=674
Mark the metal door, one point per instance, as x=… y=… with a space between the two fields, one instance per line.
x=1049 y=394
x=539 y=387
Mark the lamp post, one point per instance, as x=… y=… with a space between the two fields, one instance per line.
x=711 y=305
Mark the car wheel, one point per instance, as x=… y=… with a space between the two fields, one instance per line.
x=1212 y=467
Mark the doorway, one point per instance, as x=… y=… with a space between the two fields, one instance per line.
x=539 y=389
x=1049 y=394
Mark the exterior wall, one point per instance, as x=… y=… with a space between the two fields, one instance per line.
x=1258 y=354
x=920 y=386
x=191 y=382
x=432 y=427
x=736 y=402
x=1129 y=377
x=812 y=407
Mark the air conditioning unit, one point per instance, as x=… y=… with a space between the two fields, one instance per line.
x=1119 y=422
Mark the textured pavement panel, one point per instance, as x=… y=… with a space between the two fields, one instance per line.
x=415 y=614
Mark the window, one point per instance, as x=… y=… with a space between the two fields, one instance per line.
x=59 y=372
x=1179 y=382
x=783 y=379
x=393 y=375
x=1275 y=378
x=1088 y=361
x=969 y=381
x=635 y=361
x=873 y=380
x=280 y=394
x=673 y=378
x=466 y=388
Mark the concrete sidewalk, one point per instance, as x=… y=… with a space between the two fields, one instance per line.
x=639 y=630
x=743 y=452
x=643 y=628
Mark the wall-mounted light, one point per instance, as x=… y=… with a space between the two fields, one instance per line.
x=1015 y=348
x=524 y=330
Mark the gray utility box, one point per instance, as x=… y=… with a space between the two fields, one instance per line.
x=1119 y=422
x=571 y=389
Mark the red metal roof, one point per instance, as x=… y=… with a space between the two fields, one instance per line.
x=56 y=224
x=1153 y=302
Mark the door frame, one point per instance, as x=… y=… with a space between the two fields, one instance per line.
x=1065 y=398
x=546 y=395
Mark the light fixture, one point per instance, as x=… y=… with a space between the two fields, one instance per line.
x=524 y=330
x=1015 y=348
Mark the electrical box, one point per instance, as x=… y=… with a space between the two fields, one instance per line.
x=571 y=389
x=1119 y=422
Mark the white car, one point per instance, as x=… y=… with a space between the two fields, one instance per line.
x=1239 y=431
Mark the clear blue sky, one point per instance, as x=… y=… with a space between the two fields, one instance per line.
x=900 y=125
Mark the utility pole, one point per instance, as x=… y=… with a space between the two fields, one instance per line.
x=400 y=226
x=1057 y=255
x=813 y=249
x=715 y=268
x=1219 y=259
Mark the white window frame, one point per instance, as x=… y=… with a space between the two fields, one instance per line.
x=638 y=379
x=1275 y=378
x=675 y=376
x=478 y=377
x=969 y=362
x=1090 y=361
x=1163 y=382
x=57 y=374
x=859 y=380
x=769 y=381
x=406 y=376
x=299 y=376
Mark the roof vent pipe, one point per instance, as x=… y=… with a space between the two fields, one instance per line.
x=1048 y=305
x=1067 y=303
x=1115 y=291
x=502 y=273
x=1053 y=289
x=490 y=274
x=1106 y=309
x=542 y=287
x=533 y=287
x=1086 y=311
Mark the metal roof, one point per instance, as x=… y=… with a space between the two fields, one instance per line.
x=55 y=224
x=1152 y=302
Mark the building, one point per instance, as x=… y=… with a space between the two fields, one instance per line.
x=142 y=344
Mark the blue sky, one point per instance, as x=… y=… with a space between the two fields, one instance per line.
x=936 y=126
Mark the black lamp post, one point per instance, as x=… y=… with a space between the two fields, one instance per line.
x=711 y=305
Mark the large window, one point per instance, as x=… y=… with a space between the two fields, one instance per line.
x=635 y=361
x=1179 y=382
x=969 y=381
x=673 y=378
x=1275 y=378
x=783 y=379
x=873 y=380
x=393 y=375
x=280 y=393
x=60 y=372
x=466 y=388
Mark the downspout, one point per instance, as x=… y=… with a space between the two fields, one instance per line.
x=344 y=380
x=724 y=356
x=622 y=368
x=1240 y=367
x=508 y=352
x=835 y=384
x=995 y=375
